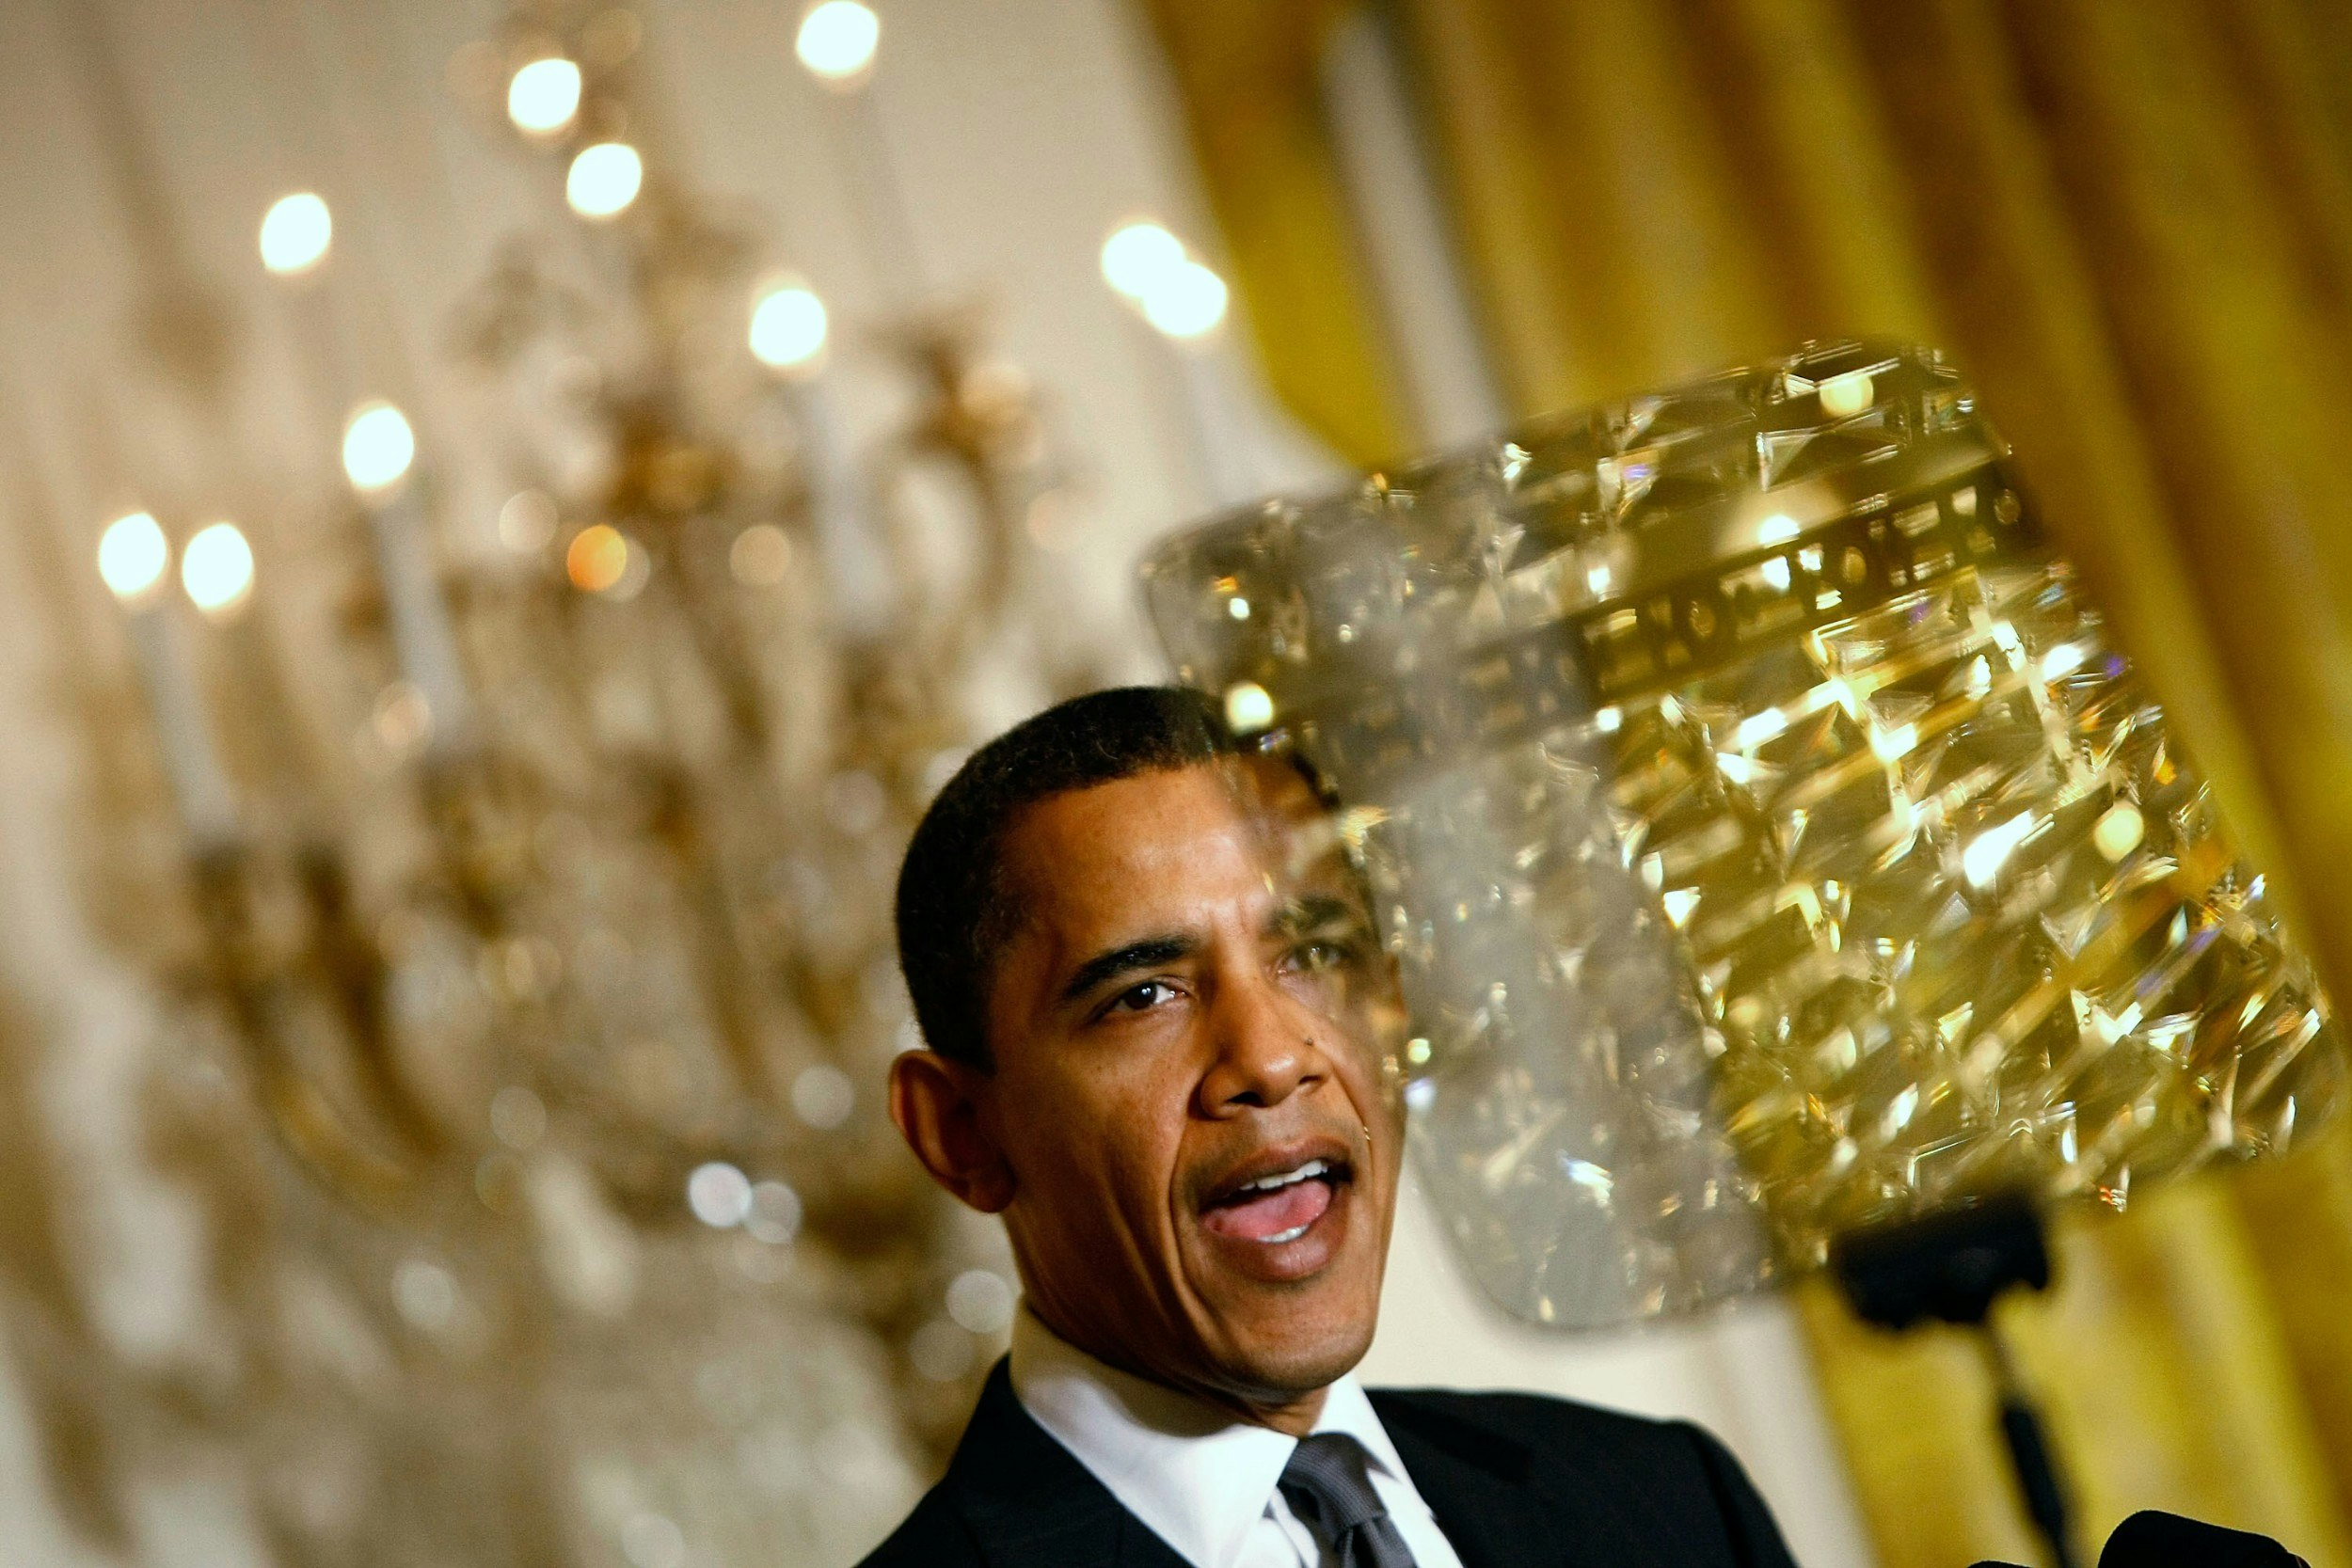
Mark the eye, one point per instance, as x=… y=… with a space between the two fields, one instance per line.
x=1322 y=953
x=1140 y=998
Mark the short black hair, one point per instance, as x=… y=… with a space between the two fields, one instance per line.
x=953 y=912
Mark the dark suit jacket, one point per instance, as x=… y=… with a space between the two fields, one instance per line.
x=1516 y=1481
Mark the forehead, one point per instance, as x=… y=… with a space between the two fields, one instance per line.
x=1150 y=847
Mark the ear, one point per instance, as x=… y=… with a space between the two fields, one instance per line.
x=936 y=1103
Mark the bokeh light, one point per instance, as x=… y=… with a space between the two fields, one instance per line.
x=788 y=326
x=378 y=448
x=597 y=557
x=518 y=1118
x=1138 y=256
x=1248 y=707
x=775 y=1212
x=1187 y=302
x=823 y=1096
x=426 y=1294
x=761 y=556
x=544 y=96
x=981 y=1301
x=296 y=232
x=216 y=568
x=837 y=40
x=132 y=554
x=719 y=1194
x=528 y=521
x=604 y=180
x=2118 y=831
x=941 y=1350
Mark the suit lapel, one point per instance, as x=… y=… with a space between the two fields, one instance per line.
x=1031 y=1504
x=1476 y=1483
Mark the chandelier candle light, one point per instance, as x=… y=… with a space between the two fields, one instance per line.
x=379 y=459
x=296 y=244
x=1183 y=303
x=790 y=335
x=134 y=563
x=837 y=42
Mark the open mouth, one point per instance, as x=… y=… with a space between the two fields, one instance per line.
x=1279 y=1206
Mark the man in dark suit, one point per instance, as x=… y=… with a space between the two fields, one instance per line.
x=1160 y=1031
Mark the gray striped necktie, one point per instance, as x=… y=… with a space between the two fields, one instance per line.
x=1330 y=1491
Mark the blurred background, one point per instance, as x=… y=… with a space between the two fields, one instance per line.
x=506 y=514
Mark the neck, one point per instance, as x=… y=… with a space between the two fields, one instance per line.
x=1295 y=1417
x=1292 y=1414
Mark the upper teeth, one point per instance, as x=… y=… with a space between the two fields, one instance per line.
x=1267 y=1183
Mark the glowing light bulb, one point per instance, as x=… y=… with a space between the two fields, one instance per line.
x=604 y=180
x=1138 y=256
x=378 y=448
x=788 y=327
x=544 y=96
x=131 y=556
x=216 y=568
x=837 y=40
x=296 y=232
x=1187 y=302
x=1248 y=707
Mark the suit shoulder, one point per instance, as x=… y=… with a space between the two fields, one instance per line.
x=1673 y=1479
x=1534 y=1418
x=933 y=1536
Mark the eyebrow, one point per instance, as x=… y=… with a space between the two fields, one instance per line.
x=1149 y=953
x=1313 y=912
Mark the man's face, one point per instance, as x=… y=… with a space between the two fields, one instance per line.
x=1193 y=1088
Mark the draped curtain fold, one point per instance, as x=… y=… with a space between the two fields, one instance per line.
x=2131 y=225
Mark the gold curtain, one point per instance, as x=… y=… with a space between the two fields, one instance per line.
x=2130 y=221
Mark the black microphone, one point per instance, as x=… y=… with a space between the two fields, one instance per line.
x=2154 y=1539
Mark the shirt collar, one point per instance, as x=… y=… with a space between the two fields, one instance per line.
x=1197 y=1476
x=1346 y=1408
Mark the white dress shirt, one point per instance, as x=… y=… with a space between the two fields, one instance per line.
x=1206 y=1484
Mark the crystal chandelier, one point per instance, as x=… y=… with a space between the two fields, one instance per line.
x=1773 y=842
x=561 y=991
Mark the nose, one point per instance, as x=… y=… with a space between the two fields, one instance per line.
x=1265 y=1048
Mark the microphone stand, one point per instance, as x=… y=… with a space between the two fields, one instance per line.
x=1950 y=1267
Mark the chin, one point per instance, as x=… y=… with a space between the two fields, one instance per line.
x=1293 y=1370
x=1286 y=1348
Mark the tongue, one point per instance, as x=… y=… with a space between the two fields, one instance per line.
x=1271 y=1213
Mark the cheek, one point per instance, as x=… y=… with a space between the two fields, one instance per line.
x=1095 y=1135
